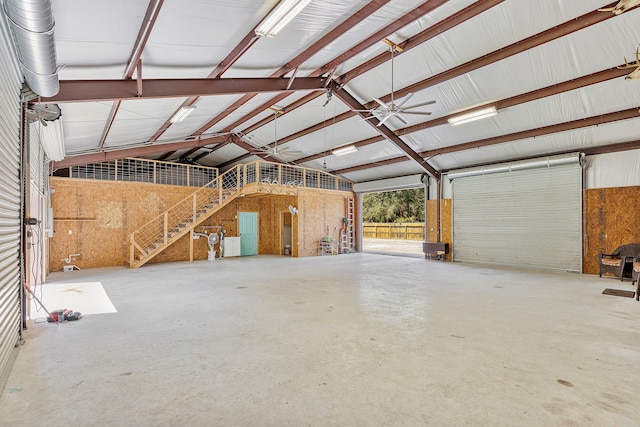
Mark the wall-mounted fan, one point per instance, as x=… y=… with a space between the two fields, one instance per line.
x=43 y=113
x=274 y=150
x=394 y=108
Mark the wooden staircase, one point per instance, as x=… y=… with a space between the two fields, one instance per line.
x=177 y=221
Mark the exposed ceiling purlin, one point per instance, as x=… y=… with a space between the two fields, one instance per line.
x=308 y=97
x=330 y=67
x=528 y=43
x=531 y=42
x=106 y=90
x=548 y=91
x=531 y=133
x=554 y=89
x=148 y=22
x=353 y=103
x=332 y=35
x=545 y=130
x=423 y=36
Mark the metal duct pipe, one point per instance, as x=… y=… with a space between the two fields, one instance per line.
x=544 y=162
x=32 y=25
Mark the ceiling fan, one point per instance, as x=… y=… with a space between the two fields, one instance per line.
x=274 y=150
x=394 y=108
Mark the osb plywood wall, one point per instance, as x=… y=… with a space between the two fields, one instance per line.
x=445 y=218
x=94 y=219
x=611 y=219
x=320 y=214
x=269 y=209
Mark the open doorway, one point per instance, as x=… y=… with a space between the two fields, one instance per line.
x=394 y=222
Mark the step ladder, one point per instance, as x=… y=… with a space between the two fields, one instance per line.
x=347 y=234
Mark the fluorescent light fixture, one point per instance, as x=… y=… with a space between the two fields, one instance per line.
x=182 y=114
x=344 y=150
x=475 y=115
x=283 y=13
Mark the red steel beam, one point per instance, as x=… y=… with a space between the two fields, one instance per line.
x=551 y=34
x=531 y=133
x=146 y=150
x=332 y=35
x=446 y=24
x=148 y=22
x=403 y=21
x=406 y=19
x=105 y=90
x=353 y=103
x=584 y=21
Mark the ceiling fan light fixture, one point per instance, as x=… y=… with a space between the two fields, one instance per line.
x=344 y=150
x=473 y=116
x=283 y=13
x=182 y=114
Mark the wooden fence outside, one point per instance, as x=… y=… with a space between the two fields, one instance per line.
x=398 y=231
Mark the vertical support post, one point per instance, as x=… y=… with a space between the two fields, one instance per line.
x=116 y=170
x=238 y=170
x=439 y=210
x=280 y=173
x=188 y=176
x=336 y=187
x=257 y=172
x=154 y=172
x=244 y=176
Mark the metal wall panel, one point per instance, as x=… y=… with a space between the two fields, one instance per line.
x=10 y=203
x=527 y=218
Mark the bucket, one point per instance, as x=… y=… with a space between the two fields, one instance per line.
x=212 y=255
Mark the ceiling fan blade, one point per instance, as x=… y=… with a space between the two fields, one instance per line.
x=421 y=113
x=382 y=104
x=384 y=120
x=422 y=104
x=404 y=100
x=402 y=119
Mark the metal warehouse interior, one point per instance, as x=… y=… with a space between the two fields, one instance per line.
x=176 y=170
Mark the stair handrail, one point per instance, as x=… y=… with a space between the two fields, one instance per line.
x=186 y=209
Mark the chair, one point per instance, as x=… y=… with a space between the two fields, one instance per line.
x=616 y=262
x=635 y=275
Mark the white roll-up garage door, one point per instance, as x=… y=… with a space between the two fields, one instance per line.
x=525 y=214
x=10 y=85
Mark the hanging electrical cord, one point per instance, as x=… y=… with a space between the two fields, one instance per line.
x=324 y=131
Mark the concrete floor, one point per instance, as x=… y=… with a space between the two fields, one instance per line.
x=348 y=340
x=412 y=248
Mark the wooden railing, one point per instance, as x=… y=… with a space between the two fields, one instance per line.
x=398 y=231
x=145 y=170
x=165 y=229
